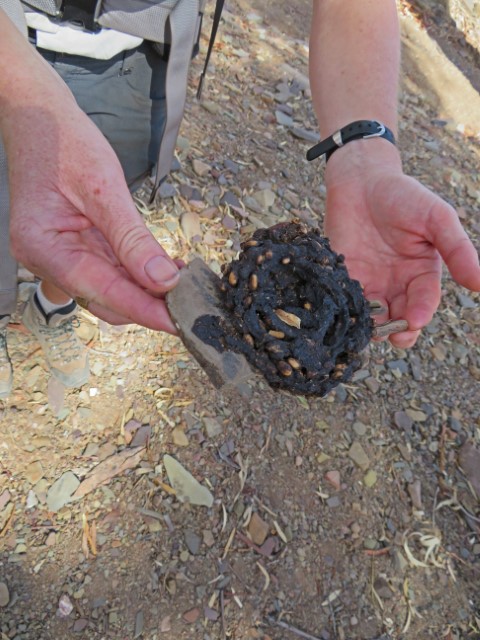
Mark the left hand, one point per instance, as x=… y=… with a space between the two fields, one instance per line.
x=394 y=233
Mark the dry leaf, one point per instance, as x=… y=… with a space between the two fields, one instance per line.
x=289 y=318
x=108 y=469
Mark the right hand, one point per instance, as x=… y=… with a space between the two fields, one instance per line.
x=73 y=220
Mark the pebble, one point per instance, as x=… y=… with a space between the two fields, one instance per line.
x=193 y=542
x=401 y=365
x=333 y=478
x=201 y=168
x=370 y=478
x=34 y=472
x=360 y=428
x=304 y=134
x=465 y=301
x=4 y=594
x=358 y=455
x=62 y=490
x=258 y=529
x=212 y=427
x=265 y=198
x=372 y=384
x=403 y=421
x=283 y=119
x=191 y=615
x=179 y=437
x=187 y=487
x=80 y=625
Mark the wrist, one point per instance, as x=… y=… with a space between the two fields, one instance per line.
x=360 y=158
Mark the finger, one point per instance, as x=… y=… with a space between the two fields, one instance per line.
x=405 y=339
x=134 y=246
x=418 y=304
x=161 y=320
x=450 y=239
x=110 y=291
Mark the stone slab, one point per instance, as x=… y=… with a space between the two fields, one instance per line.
x=195 y=295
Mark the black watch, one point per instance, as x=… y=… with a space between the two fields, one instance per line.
x=360 y=129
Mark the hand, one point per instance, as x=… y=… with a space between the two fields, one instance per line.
x=73 y=220
x=394 y=233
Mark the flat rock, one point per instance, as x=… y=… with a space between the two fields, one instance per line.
x=4 y=594
x=62 y=490
x=193 y=542
x=469 y=459
x=188 y=489
x=258 y=529
x=195 y=295
x=358 y=455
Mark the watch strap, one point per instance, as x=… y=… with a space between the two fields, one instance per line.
x=360 y=129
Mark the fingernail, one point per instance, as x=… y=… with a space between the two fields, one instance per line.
x=161 y=270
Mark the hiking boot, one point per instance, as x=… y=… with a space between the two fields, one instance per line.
x=66 y=355
x=6 y=371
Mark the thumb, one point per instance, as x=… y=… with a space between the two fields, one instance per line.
x=138 y=251
x=451 y=241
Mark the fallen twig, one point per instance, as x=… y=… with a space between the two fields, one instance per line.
x=289 y=627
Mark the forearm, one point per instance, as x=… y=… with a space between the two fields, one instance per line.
x=354 y=62
x=27 y=82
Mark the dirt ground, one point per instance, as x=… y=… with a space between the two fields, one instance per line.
x=351 y=517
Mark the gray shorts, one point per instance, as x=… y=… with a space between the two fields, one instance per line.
x=125 y=98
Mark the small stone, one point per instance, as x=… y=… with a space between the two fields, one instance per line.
x=208 y=538
x=65 y=606
x=333 y=502
x=304 y=134
x=333 y=478
x=142 y=436
x=179 y=437
x=187 y=487
x=283 y=119
x=370 y=478
x=258 y=529
x=34 y=472
x=62 y=490
x=360 y=428
x=465 y=301
x=80 y=625
x=401 y=365
x=193 y=542
x=265 y=198
x=372 y=384
x=201 y=168
x=403 y=421
x=358 y=455
x=212 y=427
x=191 y=615
x=139 y=624
x=382 y=587
x=4 y=594
x=32 y=500
x=190 y=223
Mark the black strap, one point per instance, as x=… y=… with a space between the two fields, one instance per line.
x=216 y=21
x=360 y=129
x=81 y=12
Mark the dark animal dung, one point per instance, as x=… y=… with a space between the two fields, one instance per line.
x=293 y=311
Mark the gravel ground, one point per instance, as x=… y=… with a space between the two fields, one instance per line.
x=351 y=517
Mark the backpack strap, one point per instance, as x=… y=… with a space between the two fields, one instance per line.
x=183 y=20
x=216 y=21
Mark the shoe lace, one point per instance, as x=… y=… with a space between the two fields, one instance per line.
x=4 y=358
x=62 y=340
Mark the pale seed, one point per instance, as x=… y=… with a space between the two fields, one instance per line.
x=277 y=334
x=284 y=368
